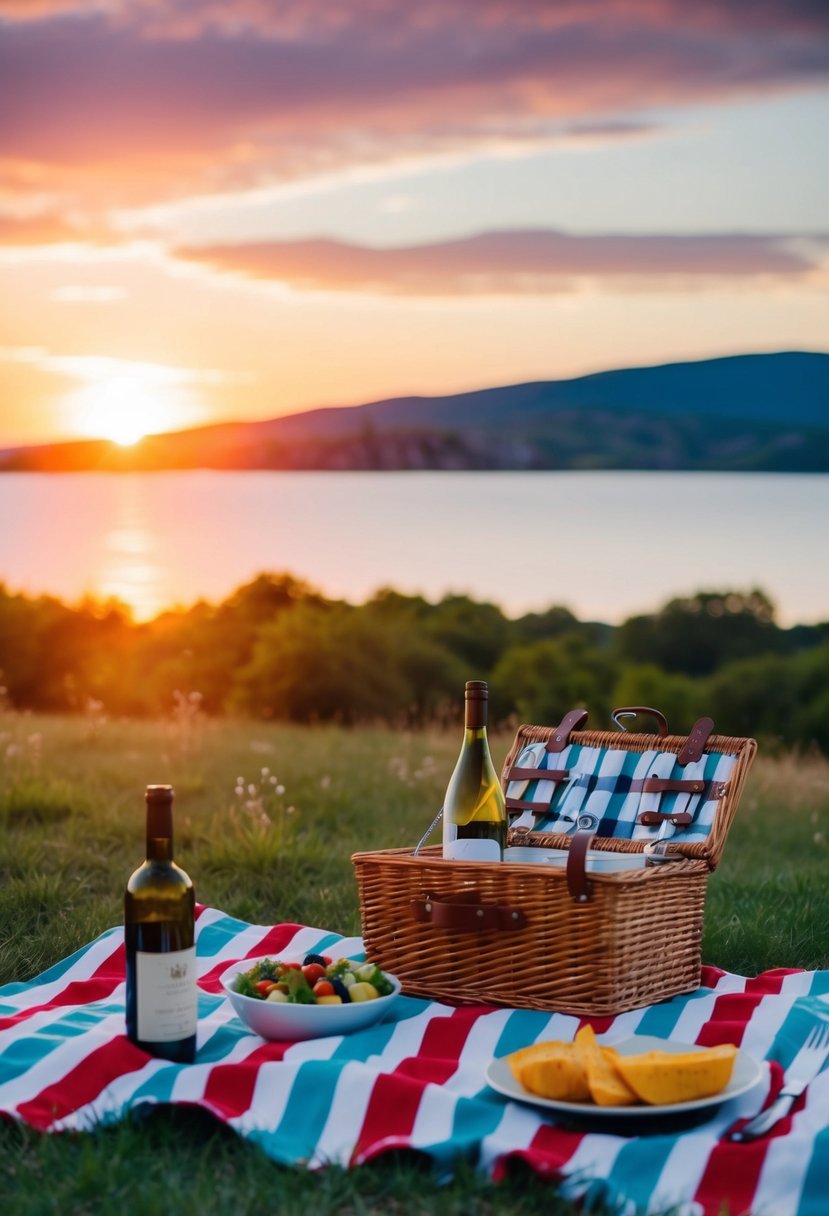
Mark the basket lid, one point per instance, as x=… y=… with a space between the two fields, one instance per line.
x=631 y=790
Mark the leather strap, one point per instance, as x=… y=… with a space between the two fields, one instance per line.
x=711 y=791
x=629 y=711
x=465 y=915
x=696 y=741
x=560 y=737
x=577 y=882
x=540 y=774
x=652 y=819
x=520 y=804
x=664 y=785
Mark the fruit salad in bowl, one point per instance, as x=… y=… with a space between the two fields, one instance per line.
x=308 y=997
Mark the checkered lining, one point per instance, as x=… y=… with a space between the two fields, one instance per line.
x=600 y=785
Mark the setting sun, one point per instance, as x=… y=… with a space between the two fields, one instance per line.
x=119 y=409
x=123 y=401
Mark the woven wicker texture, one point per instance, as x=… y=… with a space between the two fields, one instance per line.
x=636 y=940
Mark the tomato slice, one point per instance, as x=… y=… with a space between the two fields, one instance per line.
x=323 y=988
x=264 y=986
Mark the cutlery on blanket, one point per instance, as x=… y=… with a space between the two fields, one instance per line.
x=803 y=1069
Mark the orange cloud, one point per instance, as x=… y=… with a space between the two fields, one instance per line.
x=511 y=262
x=37 y=10
x=47 y=228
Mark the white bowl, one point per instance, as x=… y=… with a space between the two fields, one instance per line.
x=290 y=1023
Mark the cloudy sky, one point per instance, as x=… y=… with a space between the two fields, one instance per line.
x=242 y=208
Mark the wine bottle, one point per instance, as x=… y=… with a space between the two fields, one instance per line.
x=474 y=813
x=159 y=906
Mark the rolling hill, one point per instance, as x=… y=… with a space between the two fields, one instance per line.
x=739 y=413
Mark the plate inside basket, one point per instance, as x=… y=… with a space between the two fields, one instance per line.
x=747 y=1072
x=597 y=862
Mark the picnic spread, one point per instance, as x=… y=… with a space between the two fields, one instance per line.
x=415 y=1080
x=548 y=1007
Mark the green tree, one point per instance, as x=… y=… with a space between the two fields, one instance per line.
x=53 y=657
x=680 y=698
x=543 y=680
x=477 y=633
x=756 y=697
x=555 y=621
x=700 y=633
x=202 y=649
x=343 y=665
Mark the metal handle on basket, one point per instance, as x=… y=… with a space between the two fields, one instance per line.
x=631 y=711
x=466 y=914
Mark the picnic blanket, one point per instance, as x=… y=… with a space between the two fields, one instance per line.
x=415 y=1081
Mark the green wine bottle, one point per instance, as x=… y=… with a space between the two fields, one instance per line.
x=159 y=907
x=474 y=813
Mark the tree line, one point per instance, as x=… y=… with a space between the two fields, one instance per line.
x=277 y=648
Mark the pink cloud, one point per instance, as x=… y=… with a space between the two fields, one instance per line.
x=511 y=262
x=124 y=102
x=290 y=19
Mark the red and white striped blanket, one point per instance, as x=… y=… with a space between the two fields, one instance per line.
x=416 y=1080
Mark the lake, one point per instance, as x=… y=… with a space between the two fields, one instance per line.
x=605 y=544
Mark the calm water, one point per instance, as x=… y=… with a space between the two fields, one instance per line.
x=605 y=544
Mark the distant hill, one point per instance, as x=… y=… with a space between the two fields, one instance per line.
x=741 y=413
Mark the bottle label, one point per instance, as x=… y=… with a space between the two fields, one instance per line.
x=472 y=850
x=165 y=986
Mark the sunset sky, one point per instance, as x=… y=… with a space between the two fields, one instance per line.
x=218 y=209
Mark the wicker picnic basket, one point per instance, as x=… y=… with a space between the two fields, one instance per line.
x=562 y=937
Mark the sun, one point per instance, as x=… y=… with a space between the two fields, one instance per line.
x=122 y=409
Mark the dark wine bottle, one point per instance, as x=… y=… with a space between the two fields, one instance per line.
x=474 y=813
x=159 y=907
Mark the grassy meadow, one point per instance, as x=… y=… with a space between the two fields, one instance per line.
x=276 y=847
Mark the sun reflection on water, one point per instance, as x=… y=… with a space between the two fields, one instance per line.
x=131 y=571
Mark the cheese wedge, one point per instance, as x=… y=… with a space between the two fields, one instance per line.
x=661 y=1078
x=605 y=1082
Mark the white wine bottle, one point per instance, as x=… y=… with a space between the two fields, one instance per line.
x=474 y=812
x=159 y=921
